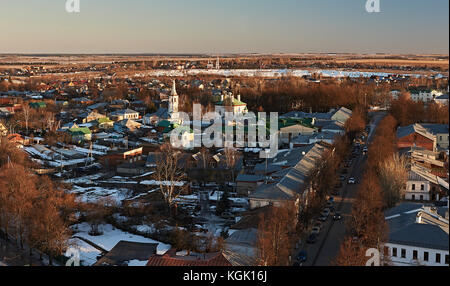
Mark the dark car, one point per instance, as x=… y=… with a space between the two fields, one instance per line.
x=312 y=239
x=337 y=216
x=336 y=192
x=302 y=256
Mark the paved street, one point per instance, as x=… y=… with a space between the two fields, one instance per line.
x=323 y=252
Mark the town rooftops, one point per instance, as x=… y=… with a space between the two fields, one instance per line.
x=414 y=128
x=125 y=251
x=436 y=128
x=294 y=181
x=418 y=225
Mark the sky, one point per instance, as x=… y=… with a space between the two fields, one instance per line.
x=224 y=26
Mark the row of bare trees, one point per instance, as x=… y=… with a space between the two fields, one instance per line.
x=381 y=188
x=408 y=112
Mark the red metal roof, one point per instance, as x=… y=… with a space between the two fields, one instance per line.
x=169 y=259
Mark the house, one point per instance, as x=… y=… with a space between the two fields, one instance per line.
x=418 y=235
x=3 y=130
x=127 y=125
x=246 y=183
x=16 y=138
x=125 y=251
x=290 y=181
x=415 y=136
x=441 y=131
x=290 y=128
x=422 y=185
x=104 y=123
x=442 y=99
x=122 y=156
x=92 y=116
x=38 y=105
x=131 y=169
x=327 y=137
x=124 y=114
x=80 y=135
x=193 y=260
x=231 y=104
x=154 y=118
x=342 y=115
x=421 y=94
x=240 y=247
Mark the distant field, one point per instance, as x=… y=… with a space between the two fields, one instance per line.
x=433 y=62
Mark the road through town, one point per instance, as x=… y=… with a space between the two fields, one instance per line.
x=324 y=251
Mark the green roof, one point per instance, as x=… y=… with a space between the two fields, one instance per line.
x=164 y=123
x=80 y=131
x=38 y=104
x=235 y=102
x=287 y=122
x=104 y=120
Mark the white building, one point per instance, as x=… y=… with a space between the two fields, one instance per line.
x=174 y=100
x=231 y=104
x=418 y=235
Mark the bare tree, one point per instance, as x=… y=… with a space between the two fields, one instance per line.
x=392 y=176
x=230 y=159
x=26 y=113
x=169 y=174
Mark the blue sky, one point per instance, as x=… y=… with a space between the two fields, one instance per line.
x=224 y=26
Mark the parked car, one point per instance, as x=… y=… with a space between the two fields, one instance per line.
x=323 y=218
x=312 y=238
x=336 y=192
x=302 y=256
x=352 y=181
x=326 y=212
x=337 y=216
x=342 y=178
x=315 y=230
x=329 y=204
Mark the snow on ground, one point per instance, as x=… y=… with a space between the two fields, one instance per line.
x=88 y=253
x=93 y=194
x=166 y=183
x=88 y=180
x=143 y=194
x=87 y=151
x=111 y=236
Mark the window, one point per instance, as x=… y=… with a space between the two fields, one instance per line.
x=422 y=187
x=413 y=197
x=394 y=252
x=446 y=259
x=421 y=197
x=415 y=254
x=403 y=253
x=425 y=256
x=413 y=187
x=438 y=258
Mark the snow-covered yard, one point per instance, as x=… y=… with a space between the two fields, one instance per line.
x=111 y=236
x=88 y=253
